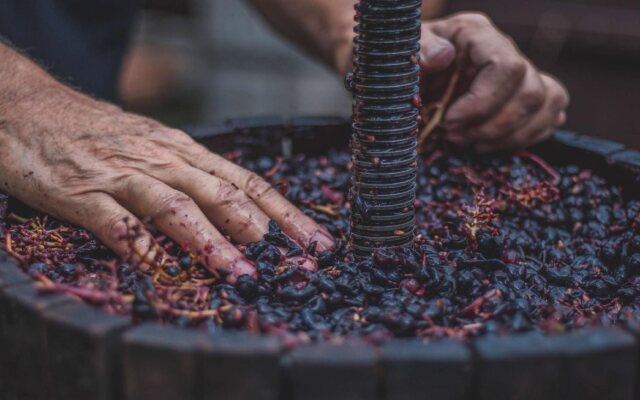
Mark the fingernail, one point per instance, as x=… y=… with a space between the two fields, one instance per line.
x=324 y=241
x=241 y=267
x=438 y=54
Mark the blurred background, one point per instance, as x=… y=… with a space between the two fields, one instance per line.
x=207 y=60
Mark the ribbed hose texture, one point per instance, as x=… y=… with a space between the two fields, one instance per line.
x=385 y=87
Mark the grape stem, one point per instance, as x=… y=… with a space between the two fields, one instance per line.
x=542 y=164
x=437 y=109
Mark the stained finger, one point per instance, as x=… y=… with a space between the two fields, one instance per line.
x=116 y=227
x=550 y=116
x=524 y=105
x=436 y=52
x=228 y=207
x=177 y=215
x=539 y=127
x=499 y=67
x=292 y=221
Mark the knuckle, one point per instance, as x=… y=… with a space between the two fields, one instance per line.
x=532 y=99
x=228 y=193
x=496 y=131
x=477 y=108
x=116 y=227
x=475 y=19
x=492 y=131
x=167 y=166
x=515 y=67
x=256 y=187
x=179 y=136
x=171 y=203
x=559 y=99
x=226 y=190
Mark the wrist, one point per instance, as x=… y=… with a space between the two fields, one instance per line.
x=342 y=55
x=56 y=111
x=28 y=93
x=340 y=38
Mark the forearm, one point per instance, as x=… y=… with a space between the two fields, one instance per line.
x=20 y=79
x=33 y=102
x=324 y=28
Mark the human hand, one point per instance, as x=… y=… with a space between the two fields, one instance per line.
x=501 y=101
x=93 y=165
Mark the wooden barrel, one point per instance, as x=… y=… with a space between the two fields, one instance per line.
x=54 y=346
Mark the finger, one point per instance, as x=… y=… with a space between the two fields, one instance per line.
x=550 y=116
x=541 y=136
x=558 y=94
x=457 y=138
x=500 y=68
x=116 y=227
x=526 y=102
x=175 y=214
x=436 y=53
x=562 y=119
x=293 y=222
x=522 y=139
x=228 y=207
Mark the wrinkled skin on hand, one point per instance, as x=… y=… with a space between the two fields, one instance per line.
x=501 y=101
x=93 y=165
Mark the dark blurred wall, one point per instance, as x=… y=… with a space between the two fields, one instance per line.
x=180 y=7
x=593 y=46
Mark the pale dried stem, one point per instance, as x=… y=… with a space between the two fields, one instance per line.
x=440 y=108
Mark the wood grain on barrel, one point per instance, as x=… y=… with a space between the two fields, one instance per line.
x=521 y=367
x=434 y=371
x=591 y=144
x=83 y=352
x=238 y=366
x=633 y=327
x=10 y=273
x=23 y=340
x=261 y=124
x=628 y=158
x=160 y=363
x=337 y=372
x=599 y=364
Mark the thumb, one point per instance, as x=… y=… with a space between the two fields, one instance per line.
x=436 y=52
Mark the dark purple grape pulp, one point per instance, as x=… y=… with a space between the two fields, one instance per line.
x=500 y=248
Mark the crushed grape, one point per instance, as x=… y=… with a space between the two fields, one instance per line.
x=503 y=244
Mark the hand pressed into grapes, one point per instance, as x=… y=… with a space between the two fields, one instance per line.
x=96 y=166
x=501 y=101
